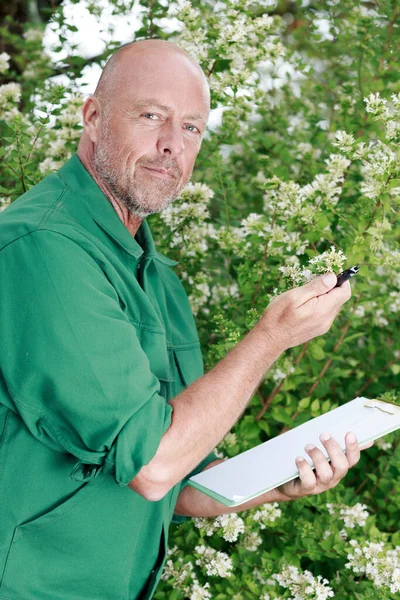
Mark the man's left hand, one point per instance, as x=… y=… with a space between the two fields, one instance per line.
x=326 y=474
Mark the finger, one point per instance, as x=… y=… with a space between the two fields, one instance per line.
x=352 y=448
x=367 y=445
x=339 y=460
x=306 y=474
x=330 y=301
x=316 y=287
x=323 y=469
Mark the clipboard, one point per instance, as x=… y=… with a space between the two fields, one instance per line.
x=272 y=463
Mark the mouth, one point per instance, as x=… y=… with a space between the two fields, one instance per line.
x=163 y=173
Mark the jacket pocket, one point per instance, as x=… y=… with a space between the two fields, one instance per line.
x=154 y=346
x=189 y=362
x=64 y=554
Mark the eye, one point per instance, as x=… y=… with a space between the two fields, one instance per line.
x=150 y=115
x=194 y=128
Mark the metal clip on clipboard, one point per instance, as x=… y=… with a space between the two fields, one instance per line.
x=386 y=407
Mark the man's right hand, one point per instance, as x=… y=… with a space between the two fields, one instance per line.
x=296 y=316
x=207 y=409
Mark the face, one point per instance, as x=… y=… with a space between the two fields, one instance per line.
x=150 y=133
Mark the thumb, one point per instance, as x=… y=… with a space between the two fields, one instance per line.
x=318 y=286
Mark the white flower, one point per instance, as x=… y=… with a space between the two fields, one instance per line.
x=199 y=592
x=304 y=585
x=359 y=311
x=33 y=35
x=337 y=165
x=350 y=515
x=4 y=202
x=395 y=304
x=252 y=224
x=380 y=443
x=205 y=524
x=392 y=129
x=230 y=439
x=267 y=514
x=9 y=93
x=232 y=525
x=213 y=561
x=48 y=164
x=329 y=261
x=344 y=141
x=379 y=564
x=4 y=61
x=375 y=104
x=220 y=293
x=378 y=319
x=251 y=541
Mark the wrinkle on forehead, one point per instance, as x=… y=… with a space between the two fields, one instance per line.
x=123 y=62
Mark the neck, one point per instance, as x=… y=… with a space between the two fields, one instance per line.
x=131 y=222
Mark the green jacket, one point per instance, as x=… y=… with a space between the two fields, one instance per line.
x=96 y=337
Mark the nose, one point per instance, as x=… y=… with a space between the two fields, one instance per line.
x=171 y=140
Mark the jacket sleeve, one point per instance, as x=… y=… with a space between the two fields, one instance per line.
x=72 y=361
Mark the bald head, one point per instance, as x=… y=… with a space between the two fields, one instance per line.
x=121 y=66
x=144 y=124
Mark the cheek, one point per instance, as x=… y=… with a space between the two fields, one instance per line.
x=135 y=143
x=191 y=153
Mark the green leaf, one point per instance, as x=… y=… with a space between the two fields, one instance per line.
x=315 y=406
x=305 y=402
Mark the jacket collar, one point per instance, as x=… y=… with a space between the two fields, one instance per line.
x=104 y=214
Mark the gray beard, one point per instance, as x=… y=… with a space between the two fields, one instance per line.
x=138 y=200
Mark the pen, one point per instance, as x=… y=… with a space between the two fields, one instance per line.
x=345 y=275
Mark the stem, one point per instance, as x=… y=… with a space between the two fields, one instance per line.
x=212 y=68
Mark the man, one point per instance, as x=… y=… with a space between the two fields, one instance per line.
x=104 y=412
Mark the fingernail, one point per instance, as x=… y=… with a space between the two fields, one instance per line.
x=352 y=438
x=324 y=437
x=299 y=459
x=309 y=447
x=329 y=279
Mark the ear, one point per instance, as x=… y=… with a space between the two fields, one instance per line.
x=91 y=117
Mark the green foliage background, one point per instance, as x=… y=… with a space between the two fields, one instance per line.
x=285 y=87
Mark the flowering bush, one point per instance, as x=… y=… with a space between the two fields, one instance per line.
x=300 y=175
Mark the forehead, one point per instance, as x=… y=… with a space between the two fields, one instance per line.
x=169 y=79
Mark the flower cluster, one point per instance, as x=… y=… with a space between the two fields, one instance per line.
x=10 y=95
x=350 y=515
x=187 y=217
x=282 y=369
x=304 y=586
x=266 y=514
x=213 y=561
x=183 y=575
x=331 y=260
x=66 y=131
x=4 y=62
x=230 y=526
x=289 y=199
x=251 y=541
x=235 y=37
x=378 y=563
